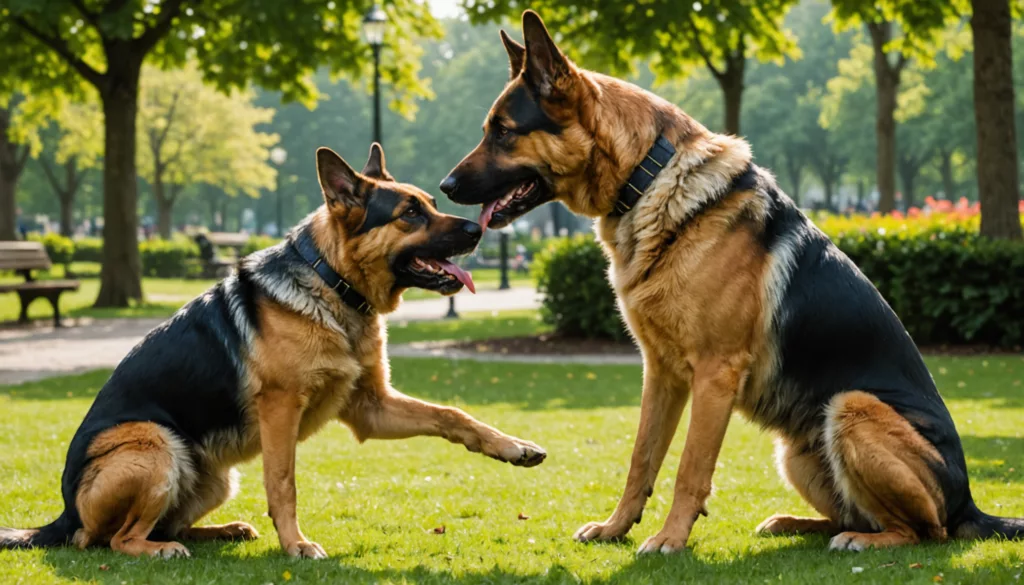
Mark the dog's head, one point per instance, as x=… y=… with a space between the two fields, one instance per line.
x=534 y=143
x=388 y=236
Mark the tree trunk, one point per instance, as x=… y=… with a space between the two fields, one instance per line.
x=67 y=214
x=120 y=278
x=908 y=177
x=827 y=184
x=8 y=207
x=862 y=192
x=887 y=81
x=998 y=189
x=946 y=170
x=795 y=171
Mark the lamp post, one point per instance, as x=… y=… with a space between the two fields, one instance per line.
x=278 y=156
x=374 y=24
x=503 y=236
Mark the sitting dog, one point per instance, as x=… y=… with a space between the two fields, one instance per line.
x=738 y=302
x=260 y=362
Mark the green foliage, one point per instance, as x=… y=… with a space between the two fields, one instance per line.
x=177 y=258
x=578 y=302
x=257 y=243
x=676 y=37
x=88 y=250
x=60 y=249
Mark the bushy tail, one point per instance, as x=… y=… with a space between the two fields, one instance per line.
x=56 y=533
x=977 y=524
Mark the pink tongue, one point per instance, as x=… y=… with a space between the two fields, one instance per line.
x=463 y=276
x=485 y=215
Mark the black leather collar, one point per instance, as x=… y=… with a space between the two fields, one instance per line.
x=306 y=248
x=643 y=175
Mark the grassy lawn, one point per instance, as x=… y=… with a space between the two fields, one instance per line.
x=469 y=327
x=164 y=296
x=374 y=506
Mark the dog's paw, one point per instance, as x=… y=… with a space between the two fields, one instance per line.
x=854 y=541
x=306 y=550
x=607 y=531
x=520 y=453
x=773 y=526
x=663 y=543
x=240 y=531
x=170 y=550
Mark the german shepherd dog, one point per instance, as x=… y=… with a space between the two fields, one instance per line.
x=261 y=361
x=737 y=301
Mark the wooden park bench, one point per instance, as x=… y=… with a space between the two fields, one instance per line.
x=23 y=258
x=214 y=265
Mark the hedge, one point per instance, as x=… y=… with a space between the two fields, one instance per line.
x=947 y=284
x=59 y=248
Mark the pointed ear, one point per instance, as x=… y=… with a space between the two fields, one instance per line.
x=339 y=182
x=545 y=64
x=375 y=164
x=516 y=54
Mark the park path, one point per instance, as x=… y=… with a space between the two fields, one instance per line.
x=40 y=351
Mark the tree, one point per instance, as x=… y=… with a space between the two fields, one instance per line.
x=13 y=156
x=920 y=24
x=191 y=133
x=998 y=181
x=76 y=143
x=105 y=42
x=717 y=34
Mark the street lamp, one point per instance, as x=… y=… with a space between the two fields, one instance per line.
x=277 y=156
x=503 y=236
x=374 y=24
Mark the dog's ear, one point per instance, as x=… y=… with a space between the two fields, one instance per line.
x=545 y=64
x=375 y=164
x=516 y=54
x=339 y=182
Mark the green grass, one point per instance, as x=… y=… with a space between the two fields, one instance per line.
x=164 y=296
x=469 y=327
x=373 y=506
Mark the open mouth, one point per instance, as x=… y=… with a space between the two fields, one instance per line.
x=439 y=275
x=519 y=200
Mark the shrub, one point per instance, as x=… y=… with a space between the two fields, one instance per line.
x=947 y=284
x=88 y=250
x=59 y=248
x=257 y=243
x=177 y=258
x=578 y=301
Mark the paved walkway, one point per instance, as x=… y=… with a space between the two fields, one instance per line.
x=40 y=351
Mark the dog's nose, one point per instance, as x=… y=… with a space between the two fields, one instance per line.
x=449 y=185
x=471 y=228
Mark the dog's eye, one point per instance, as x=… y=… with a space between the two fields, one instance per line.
x=500 y=131
x=411 y=212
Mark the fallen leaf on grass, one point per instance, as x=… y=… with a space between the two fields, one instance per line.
x=916 y=565
x=104 y=567
x=439 y=530
x=892 y=564
x=937 y=578
x=523 y=516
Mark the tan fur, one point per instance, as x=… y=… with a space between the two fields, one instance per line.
x=314 y=360
x=700 y=295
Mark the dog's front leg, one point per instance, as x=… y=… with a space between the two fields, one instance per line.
x=664 y=397
x=280 y=412
x=715 y=385
x=389 y=414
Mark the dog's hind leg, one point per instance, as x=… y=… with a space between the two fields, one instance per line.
x=660 y=410
x=393 y=415
x=212 y=488
x=136 y=473
x=806 y=469
x=883 y=468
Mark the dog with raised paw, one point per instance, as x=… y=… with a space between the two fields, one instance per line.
x=294 y=339
x=738 y=303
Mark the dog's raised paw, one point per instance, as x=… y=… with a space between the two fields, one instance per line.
x=522 y=453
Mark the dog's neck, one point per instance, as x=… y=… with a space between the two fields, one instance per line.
x=624 y=122
x=332 y=246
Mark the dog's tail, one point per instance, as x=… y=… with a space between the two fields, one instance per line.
x=977 y=524
x=56 y=533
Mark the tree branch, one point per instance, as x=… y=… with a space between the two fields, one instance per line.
x=152 y=35
x=170 y=116
x=21 y=158
x=700 y=46
x=60 y=46
x=90 y=16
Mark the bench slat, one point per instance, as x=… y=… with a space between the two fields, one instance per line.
x=23 y=256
